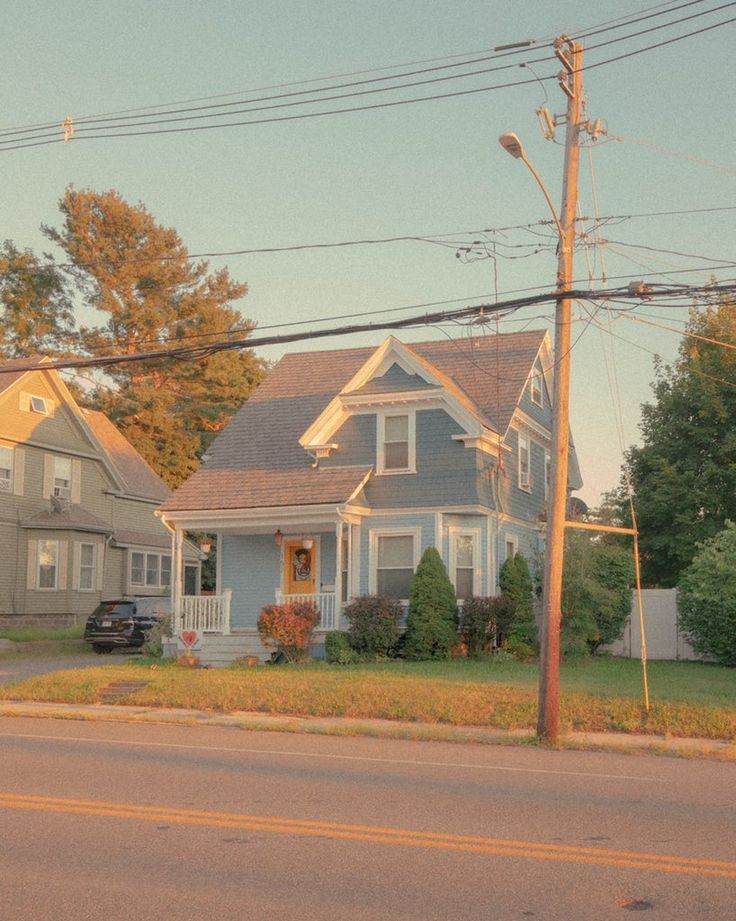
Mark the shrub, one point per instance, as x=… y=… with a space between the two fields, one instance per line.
x=485 y=619
x=288 y=629
x=153 y=640
x=431 y=627
x=516 y=582
x=374 y=625
x=338 y=649
x=707 y=597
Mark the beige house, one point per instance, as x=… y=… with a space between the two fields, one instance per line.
x=77 y=505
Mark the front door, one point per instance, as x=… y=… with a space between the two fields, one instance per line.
x=300 y=568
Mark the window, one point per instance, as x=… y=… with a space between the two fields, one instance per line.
x=63 y=477
x=535 y=387
x=6 y=469
x=510 y=549
x=463 y=558
x=547 y=475
x=394 y=564
x=524 y=476
x=87 y=567
x=38 y=405
x=48 y=563
x=396 y=450
x=152 y=570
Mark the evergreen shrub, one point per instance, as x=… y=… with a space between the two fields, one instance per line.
x=431 y=627
x=338 y=648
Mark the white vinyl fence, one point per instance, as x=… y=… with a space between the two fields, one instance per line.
x=664 y=640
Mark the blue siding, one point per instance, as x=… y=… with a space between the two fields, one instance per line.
x=251 y=567
x=523 y=503
x=447 y=471
x=394 y=380
x=327 y=560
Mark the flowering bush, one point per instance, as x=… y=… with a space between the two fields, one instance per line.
x=288 y=628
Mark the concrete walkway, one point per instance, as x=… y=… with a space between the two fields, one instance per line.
x=591 y=741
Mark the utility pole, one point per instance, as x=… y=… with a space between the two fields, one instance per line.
x=570 y=54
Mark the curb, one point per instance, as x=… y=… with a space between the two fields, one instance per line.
x=622 y=743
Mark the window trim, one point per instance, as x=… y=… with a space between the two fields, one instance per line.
x=536 y=378
x=11 y=478
x=145 y=586
x=455 y=531
x=57 y=563
x=374 y=534
x=92 y=568
x=514 y=541
x=381 y=417
x=525 y=483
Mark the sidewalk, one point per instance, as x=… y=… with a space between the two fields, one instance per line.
x=590 y=741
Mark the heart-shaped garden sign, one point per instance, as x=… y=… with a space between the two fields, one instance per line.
x=189 y=637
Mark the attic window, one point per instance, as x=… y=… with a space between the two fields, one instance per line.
x=535 y=387
x=38 y=405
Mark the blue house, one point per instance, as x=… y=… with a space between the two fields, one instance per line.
x=345 y=465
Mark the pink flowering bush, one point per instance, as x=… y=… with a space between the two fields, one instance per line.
x=288 y=628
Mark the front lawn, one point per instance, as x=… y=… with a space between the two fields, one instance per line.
x=601 y=694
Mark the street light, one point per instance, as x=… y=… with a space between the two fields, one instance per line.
x=549 y=663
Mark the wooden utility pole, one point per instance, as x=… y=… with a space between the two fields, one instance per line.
x=571 y=82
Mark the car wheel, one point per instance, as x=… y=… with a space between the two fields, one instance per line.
x=100 y=650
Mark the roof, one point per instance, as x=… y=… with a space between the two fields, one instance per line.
x=13 y=370
x=67 y=517
x=259 y=488
x=138 y=478
x=258 y=461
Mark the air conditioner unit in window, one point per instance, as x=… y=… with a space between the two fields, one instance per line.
x=6 y=486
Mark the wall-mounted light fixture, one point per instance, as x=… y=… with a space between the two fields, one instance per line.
x=205 y=546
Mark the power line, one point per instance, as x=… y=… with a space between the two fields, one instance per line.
x=204 y=351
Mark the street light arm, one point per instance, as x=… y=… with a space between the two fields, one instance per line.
x=546 y=194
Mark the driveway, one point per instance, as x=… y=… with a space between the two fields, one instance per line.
x=14 y=667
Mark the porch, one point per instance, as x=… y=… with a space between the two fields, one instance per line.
x=210 y=614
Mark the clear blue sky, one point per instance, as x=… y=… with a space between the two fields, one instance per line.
x=430 y=168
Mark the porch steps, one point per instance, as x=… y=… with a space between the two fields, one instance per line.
x=220 y=650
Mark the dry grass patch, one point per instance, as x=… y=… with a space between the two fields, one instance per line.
x=447 y=695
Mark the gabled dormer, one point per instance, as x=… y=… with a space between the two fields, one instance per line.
x=394 y=384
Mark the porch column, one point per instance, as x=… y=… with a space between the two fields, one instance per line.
x=177 y=572
x=339 y=564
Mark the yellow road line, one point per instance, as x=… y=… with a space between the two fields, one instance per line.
x=666 y=863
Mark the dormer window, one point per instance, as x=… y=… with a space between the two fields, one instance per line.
x=63 y=477
x=396 y=448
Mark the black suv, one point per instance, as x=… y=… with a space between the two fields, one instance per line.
x=123 y=623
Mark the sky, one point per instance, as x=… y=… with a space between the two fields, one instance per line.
x=433 y=168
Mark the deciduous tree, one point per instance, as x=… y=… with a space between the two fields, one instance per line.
x=140 y=275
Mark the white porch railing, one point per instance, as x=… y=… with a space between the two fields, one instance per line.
x=204 y=613
x=325 y=602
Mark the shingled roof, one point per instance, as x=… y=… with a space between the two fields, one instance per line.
x=257 y=461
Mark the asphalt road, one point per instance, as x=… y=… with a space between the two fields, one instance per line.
x=122 y=821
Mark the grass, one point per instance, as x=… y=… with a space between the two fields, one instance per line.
x=599 y=695
x=37 y=634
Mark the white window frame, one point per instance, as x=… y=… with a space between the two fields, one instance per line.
x=6 y=484
x=536 y=389
x=57 y=559
x=84 y=567
x=474 y=533
x=525 y=478
x=381 y=417
x=375 y=535
x=144 y=585
x=510 y=540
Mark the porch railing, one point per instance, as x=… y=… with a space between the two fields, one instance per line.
x=325 y=602
x=204 y=613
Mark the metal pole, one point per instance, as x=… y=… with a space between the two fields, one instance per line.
x=549 y=661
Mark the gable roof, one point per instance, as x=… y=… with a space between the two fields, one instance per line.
x=128 y=470
x=137 y=477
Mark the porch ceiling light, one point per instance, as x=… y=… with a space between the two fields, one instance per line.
x=278 y=537
x=307 y=543
x=205 y=546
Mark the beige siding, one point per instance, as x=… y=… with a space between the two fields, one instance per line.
x=59 y=428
